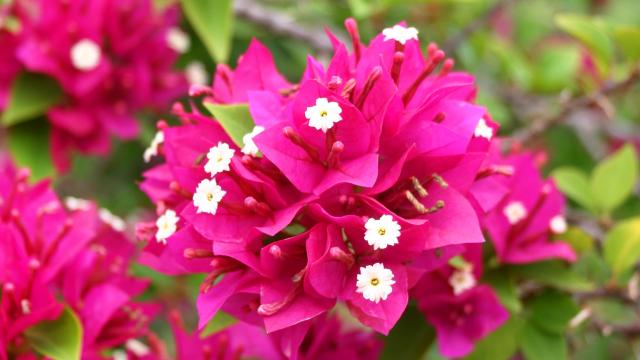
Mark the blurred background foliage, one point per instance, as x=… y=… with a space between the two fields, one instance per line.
x=554 y=73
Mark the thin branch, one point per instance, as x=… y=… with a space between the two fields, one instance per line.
x=452 y=43
x=543 y=123
x=282 y=24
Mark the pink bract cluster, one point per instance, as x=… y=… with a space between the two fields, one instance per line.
x=355 y=188
x=326 y=339
x=110 y=58
x=52 y=258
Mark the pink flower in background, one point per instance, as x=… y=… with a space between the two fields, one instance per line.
x=111 y=59
x=326 y=338
x=352 y=185
x=522 y=224
x=51 y=257
x=462 y=310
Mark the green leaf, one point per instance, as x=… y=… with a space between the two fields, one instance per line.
x=555 y=69
x=410 y=337
x=575 y=184
x=235 y=119
x=592 y=33
x=29 y=146
x=538 y=344
x=628 y=39
x=593 y=267
x=579 y=240
x=213 y=22
x=219 y=322
x=500 y=344
x=622 y=246
x=504 y=287
x=613 y=179
x=613 y=312
x=60 y=339
x=554 y=273
x=552 y=310
x=31 y=95
x=513 y=63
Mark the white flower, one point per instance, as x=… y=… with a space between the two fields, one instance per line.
x=374 y=282
x=26 y=306
x=196 y=73
x=167 y=225
x=400 y=34
x=515 y=211
x=152 y=150
x=112 y=220
x=382 y=232
x=483 y=130
x=74 y=203
x=323 y=114
x=462 y=280
x=85 y=55
x=137 y=347
x=208 y=195
x=558 y=224
x=250 y=147
x=219 y=158
x=178 y=40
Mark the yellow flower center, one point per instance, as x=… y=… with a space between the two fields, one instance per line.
x=209 y=196
x=375 y=281
x=382 y=231
x=323 y=113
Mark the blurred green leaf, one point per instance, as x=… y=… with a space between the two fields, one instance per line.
x=579 y=240
x=29 y=146
x=613 y=312
x=505 y=288
x=628 y=39
x=410 y=337
x=592 y=266
x=552 y=311
x=213 y=22
x=592 y=33
x=513 y=63
x=360 y=8
x=554 y=273
x=538 y=344
x=575 y=184
x=220 y=321
x=555 y=69
x=31 y=96
x=613 y=179
x=235 y=119
x=622 y=246
x=500 y=344
x=60 y=339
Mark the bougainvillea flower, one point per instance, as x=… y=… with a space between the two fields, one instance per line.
x=52 y=257
x=9 y=39
x=110 y=60
x=462 y=310
x=522 y=224
x=351 y=186
x=236 y=341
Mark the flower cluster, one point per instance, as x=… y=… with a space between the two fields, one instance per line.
x=52 y=257
x=111 y=59
x=355 y=187
x=366 y=168
x=462 y=310
x=522 y=225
